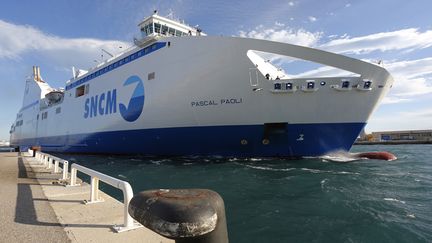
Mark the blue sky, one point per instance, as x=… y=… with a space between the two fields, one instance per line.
x=57 y=35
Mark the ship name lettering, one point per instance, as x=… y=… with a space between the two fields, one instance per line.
x=103 y=104
x=204 y=103
x=231 y=101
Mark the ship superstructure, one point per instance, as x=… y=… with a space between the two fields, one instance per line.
x=181 y=92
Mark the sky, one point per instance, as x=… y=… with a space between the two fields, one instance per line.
x=57 y=35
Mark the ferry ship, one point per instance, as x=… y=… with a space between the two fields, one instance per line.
x=179 y=92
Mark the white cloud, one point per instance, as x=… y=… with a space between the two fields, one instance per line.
x=324 y=71
x=405 y=39
x=411 y=68
x=279 y=32
x=17 y=40
x=411 y=78
x=312 y=18
x=291 y=3
x=393 y=100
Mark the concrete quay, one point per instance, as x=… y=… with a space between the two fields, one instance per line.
x=34 y=208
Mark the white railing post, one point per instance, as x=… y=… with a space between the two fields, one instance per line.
x=56 y=165
x=73 y=176
x=127 y=196
x=65 y=169
x=94 y=191
x=50 y=164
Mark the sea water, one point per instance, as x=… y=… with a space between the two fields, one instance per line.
x=328 y=199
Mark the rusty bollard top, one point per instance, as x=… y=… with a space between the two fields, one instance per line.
x=178 y=213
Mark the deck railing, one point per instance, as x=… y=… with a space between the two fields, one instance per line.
x=95 y=176
x=48 y=160
x=129 y=223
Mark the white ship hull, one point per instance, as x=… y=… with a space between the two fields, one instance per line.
x=204 y=96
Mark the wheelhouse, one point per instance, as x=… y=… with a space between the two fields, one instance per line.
x=158 y=25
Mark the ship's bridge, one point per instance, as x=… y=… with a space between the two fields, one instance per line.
x=155 y=25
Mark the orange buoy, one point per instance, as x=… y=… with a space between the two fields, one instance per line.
x=381 y=155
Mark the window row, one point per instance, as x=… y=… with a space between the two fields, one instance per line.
x=290 y=86
x=310 y=85
x=161 y=29
x=117 y=64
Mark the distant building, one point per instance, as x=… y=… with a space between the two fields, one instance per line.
x=413 y=135
x=4 y=143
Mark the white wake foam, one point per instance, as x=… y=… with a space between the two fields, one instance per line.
x=394 y=200
x=340 y=156
x=269 y=168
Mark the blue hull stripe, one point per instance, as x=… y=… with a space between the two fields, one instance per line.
x=317 y=139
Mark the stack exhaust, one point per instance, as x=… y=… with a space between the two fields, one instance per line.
x=36 y=74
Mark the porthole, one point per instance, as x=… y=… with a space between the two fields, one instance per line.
x=367 y=85
x=288 y=86
x=345 y=84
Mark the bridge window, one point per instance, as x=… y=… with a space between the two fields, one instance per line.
x=277 y=86
x=164 y=30
x=150 y=29
x=310 y=85
x=157 y=28
x=58 y=110
x=171 y=31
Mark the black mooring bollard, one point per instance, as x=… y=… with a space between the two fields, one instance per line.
x=184 y=215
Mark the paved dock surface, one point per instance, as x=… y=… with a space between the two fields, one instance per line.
x=25 y=213
x=33 y=209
